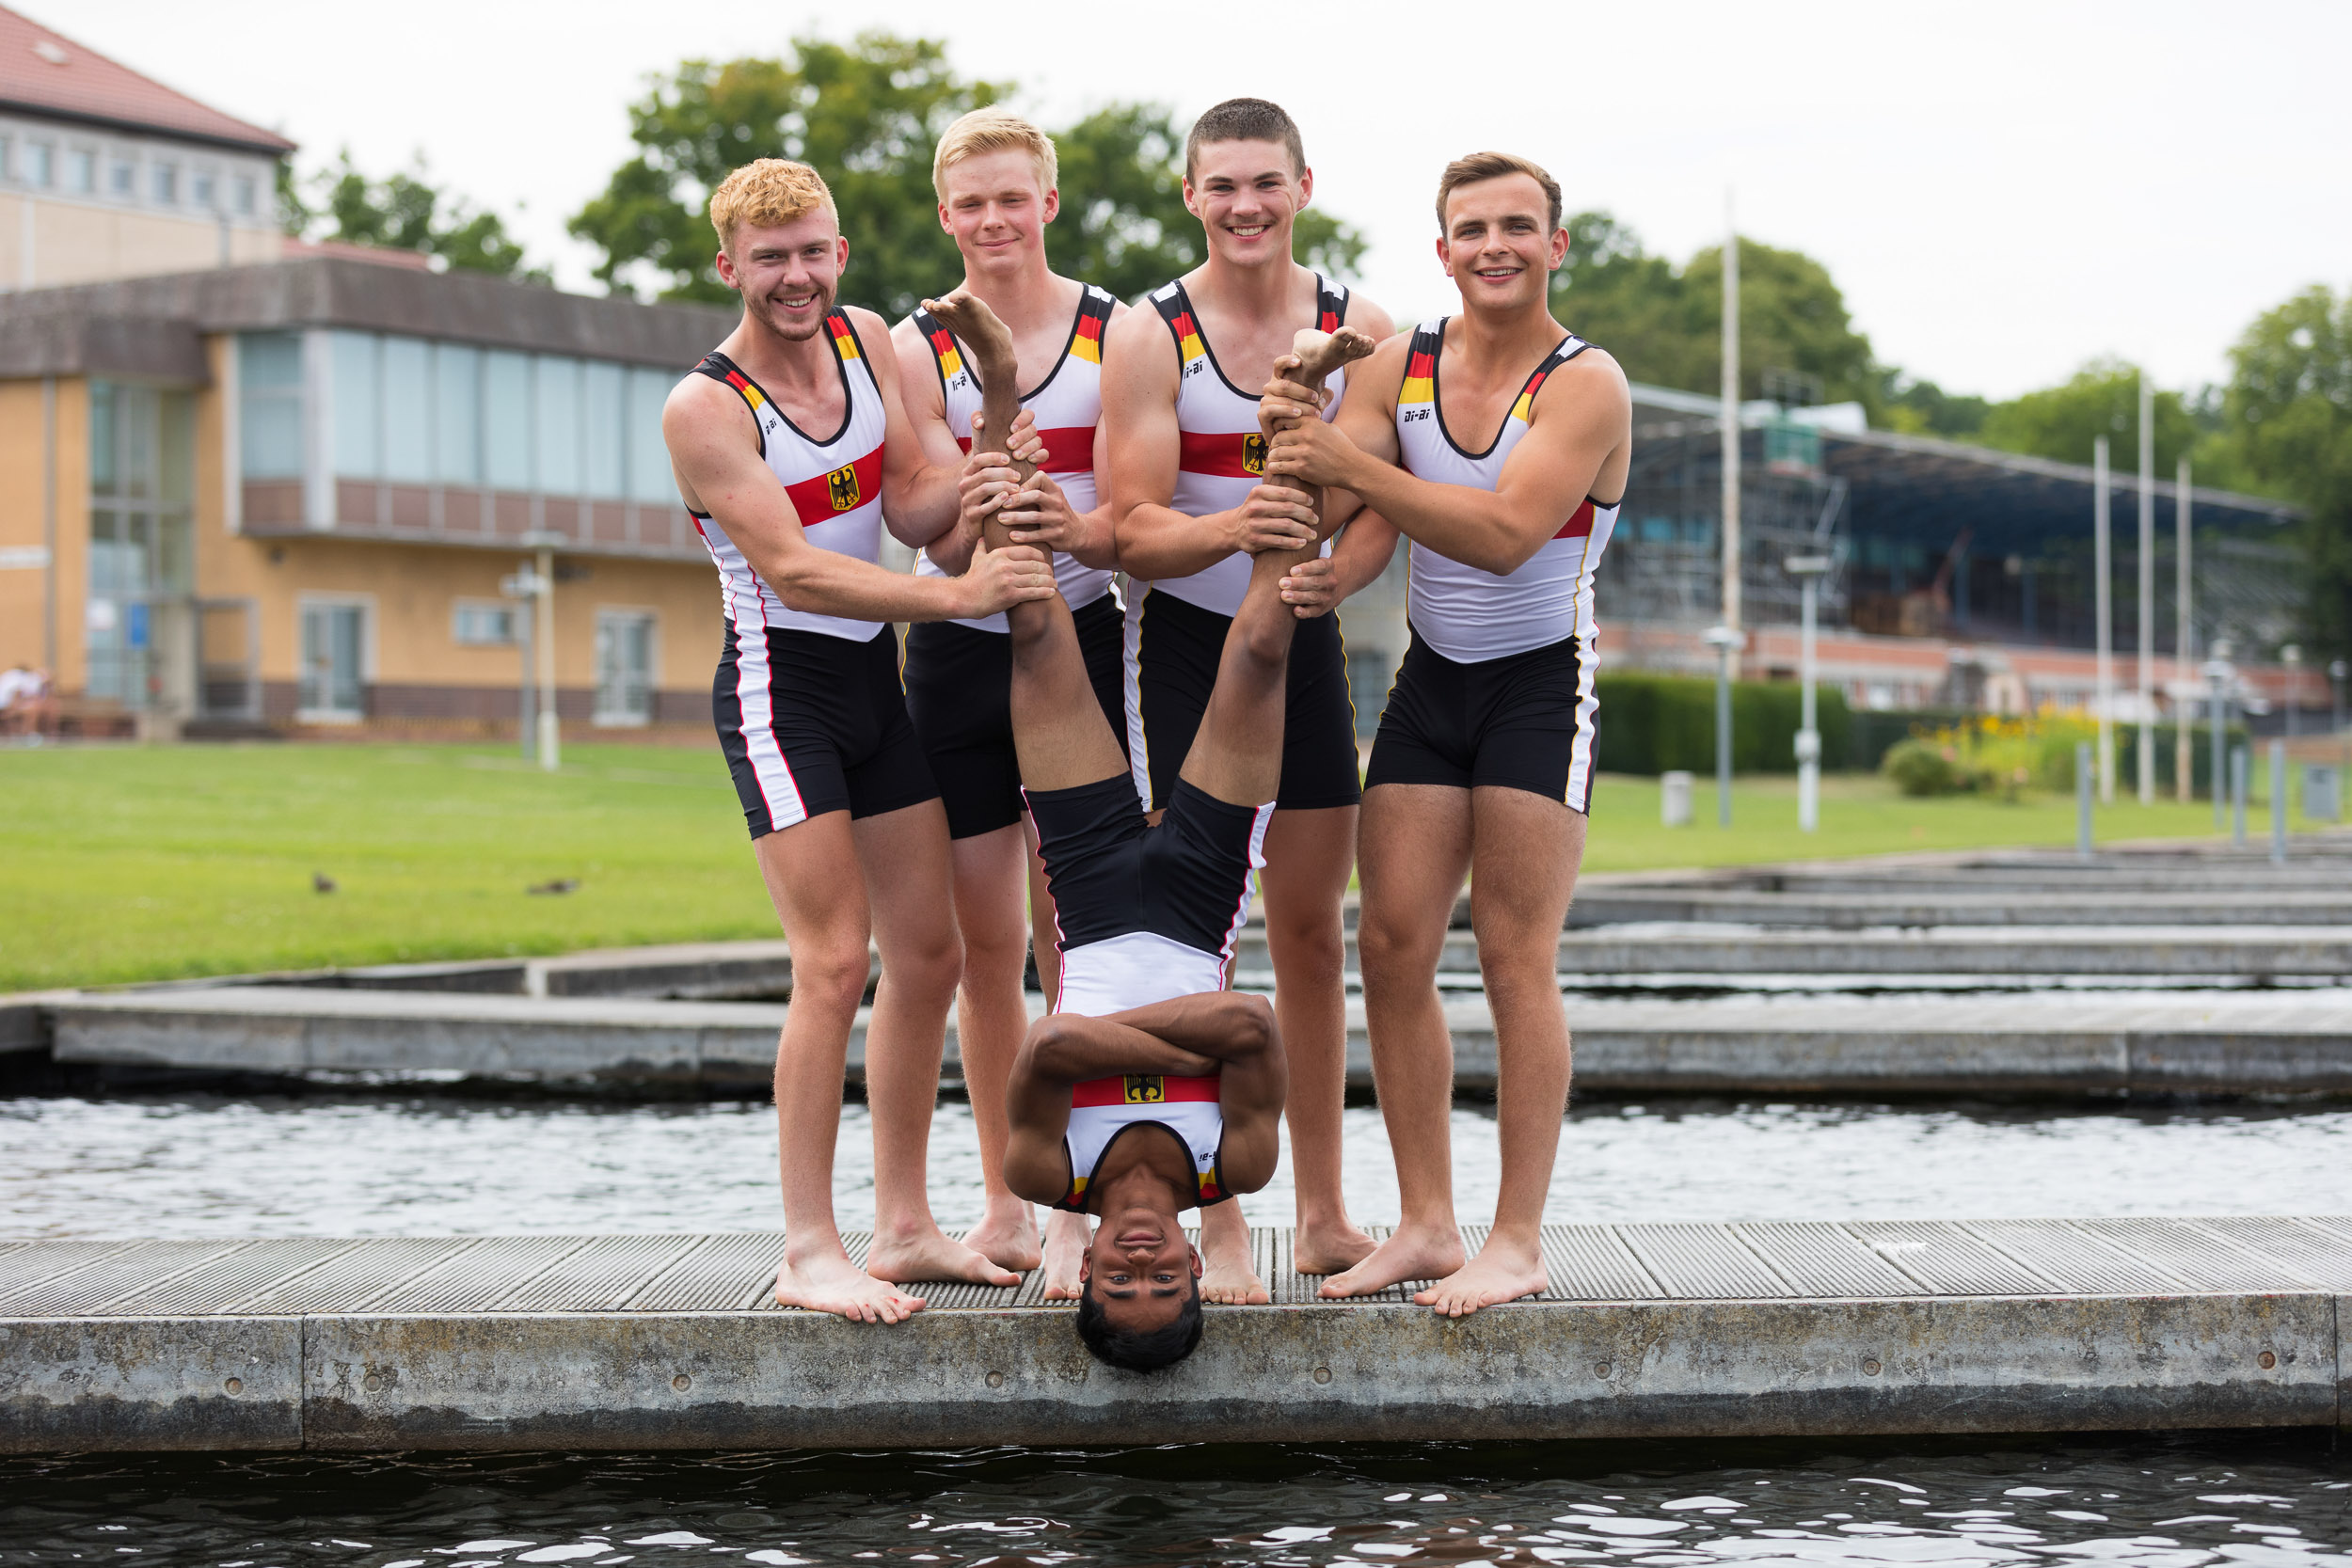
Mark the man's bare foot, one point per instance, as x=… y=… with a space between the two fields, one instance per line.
x=1006 y=1236
x=967 y=315
x=1497 y=1274
x=932 y=1255
x=1066 y=1238
x=834 y=1284
x=1227 y=1276
x=1328 y=1248
x=1413 y=1253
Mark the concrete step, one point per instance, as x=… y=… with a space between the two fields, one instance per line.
x=1661 y=1330
x=2096 y=1043
x=1615 y=905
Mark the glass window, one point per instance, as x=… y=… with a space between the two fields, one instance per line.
x=165 y=182
x=8 y=157
x=408 y=410
x=649 y=477
x=506 y=425
x=624 y=667
x=269 y=383
x=106 y=441
x=457 y=414
x=202 y=188
x=559 y=425
x=358 y=452
x=332 y=637
x=41 y=164
x=605 y=391
x=483 y=626
x=119 y=177
x=81 y=171
x=244 y=188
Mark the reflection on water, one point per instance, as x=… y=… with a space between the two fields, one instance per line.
x=359 y=1164
x=2266 y=1501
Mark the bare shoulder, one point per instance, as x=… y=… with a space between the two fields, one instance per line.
x=907 y=335
x=1592 y=381
x=1366 y=316
x=870 y=328
x=1138 y=351
x=1385 y=368
x=699 y=404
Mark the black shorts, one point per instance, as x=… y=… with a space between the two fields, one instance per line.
x=959 y=699
x=812 y=723
x=1113 y=873
x=1174 y=648
x=1525 y=721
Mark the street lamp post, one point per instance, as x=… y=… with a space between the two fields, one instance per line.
x=2218 y=673
x=1725 y=641
x=1807 y=570
x=2292 y=656
x=551 y=732
x=524 y=585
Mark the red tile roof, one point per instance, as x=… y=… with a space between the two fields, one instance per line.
x=45 y=73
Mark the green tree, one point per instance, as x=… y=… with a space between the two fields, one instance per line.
x=2102 y=399
x=2288 y=411
x=1913 y=407
x=1665 y=325
x=407 y=211
x=867 y=115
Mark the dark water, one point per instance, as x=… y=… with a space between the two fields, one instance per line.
x=2268 y=1501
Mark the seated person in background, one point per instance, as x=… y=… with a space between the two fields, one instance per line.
x=1151 y=1088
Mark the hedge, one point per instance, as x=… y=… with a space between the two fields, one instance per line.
x=1652 y=723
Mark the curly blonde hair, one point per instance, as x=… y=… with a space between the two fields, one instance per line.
x=767 y=192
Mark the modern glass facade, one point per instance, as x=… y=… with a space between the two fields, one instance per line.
x=142 y=484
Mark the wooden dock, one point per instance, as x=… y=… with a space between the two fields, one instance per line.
x=650 y=1341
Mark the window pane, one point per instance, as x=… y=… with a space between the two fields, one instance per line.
x=269 y=379
x=81 y=167
x=357 y=454
x=457 y=414
x=244 y=192
x=506 y=419
x=407 y=410
x=106 y=441
x=41 y=163
x=8 y=157
x=649 y=477
x=606 y=388
x=201 y=189
x=166 y=182
x=175 y=456
x=559 y=426
x=119 y=176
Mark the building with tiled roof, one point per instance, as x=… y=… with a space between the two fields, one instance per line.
x=107 y=173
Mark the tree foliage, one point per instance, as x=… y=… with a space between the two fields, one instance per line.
x=2102 y=399
x=867 y=115
x=407 y=211
x=2288 y=416
x=1664 y=324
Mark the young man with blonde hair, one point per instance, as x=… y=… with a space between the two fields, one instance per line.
x=1499 y=443
x=996 y=176
x=792 y=450
x=1193 y=505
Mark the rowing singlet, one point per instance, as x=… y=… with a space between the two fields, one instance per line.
x=1222 y=457
x=1464 y=613
x=1102 y=1108
x=1067 y=405
x=836 y=487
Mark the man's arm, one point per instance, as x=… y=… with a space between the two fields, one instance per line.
x=1050 y=524
x=714 y=456
x=1141 y=443
x=1364 y=548
x=1583 y=415
x=1237 y=1032
x=1063 y=1049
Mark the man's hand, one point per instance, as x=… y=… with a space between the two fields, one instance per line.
x=1275 y=517
x=998 y=579
x=1311 y=451
x=1285 y=401
x=1039 y=514
x=1311 y=587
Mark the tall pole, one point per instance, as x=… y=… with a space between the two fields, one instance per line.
x=2184 y=745
x=1723 y=733
x=1809 y=736
x=1731 y=426
x=2103 y=571
x=549 y=735
x=2147 y=684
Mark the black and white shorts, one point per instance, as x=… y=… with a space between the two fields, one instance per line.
x=1114 y=874
x=1524 y=722
x=959 y=699
x=1173 y=649
x=812 y=723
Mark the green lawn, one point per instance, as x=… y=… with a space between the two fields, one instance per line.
x=143 y=862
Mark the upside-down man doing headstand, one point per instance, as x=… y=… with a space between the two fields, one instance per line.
x=1150 y=1088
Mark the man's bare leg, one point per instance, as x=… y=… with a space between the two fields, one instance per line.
x=822 y=909
x=1416 y=849
x=1528 y=850
x=910 y=892
x=991 y=1018
x=1308 y=856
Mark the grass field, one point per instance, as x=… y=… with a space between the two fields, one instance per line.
x=145 y=862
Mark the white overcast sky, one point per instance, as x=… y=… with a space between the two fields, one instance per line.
x=2002 y=190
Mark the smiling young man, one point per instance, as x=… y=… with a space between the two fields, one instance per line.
x=792 y=452
x=996 y=176
x=1151 y=1088
x=1498 y=442
x=1186 y=465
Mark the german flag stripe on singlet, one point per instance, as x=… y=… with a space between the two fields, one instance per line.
x=1227 y=454
x=1143 y=1089
x=1069 y=449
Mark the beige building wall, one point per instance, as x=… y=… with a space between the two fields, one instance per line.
x=45 y=242
x=24 y=590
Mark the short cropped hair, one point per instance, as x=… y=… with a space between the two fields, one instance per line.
x=767 y=192
x=994 y=130
x=1494 y=166
x=1244 y=119
x=1137 y=1351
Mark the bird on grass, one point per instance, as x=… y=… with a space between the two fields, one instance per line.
x=322 y=882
